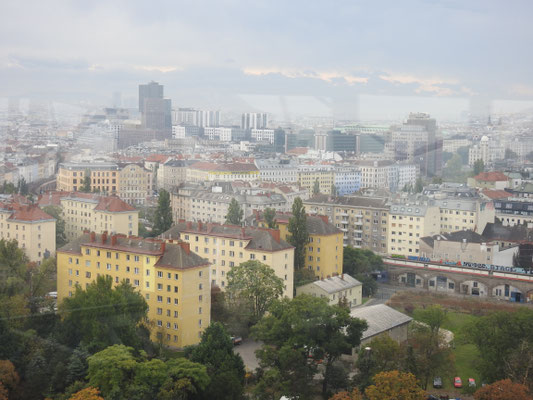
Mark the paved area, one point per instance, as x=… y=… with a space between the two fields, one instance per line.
x=247 y=352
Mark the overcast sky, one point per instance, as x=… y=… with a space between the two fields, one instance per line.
x=328 y=57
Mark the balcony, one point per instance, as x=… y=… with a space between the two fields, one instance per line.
x=344 y=229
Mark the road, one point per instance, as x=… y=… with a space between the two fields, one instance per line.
x=247 y=351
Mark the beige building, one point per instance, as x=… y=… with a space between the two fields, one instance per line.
x=466 y=246
x=134 y=184
x=340 y=288
x=173 y=280
x=465 y=214
x=363 y=220
x=228 y=172
x=408 y=223
x=31 y=227
x=97 y=213
x=226 y=246
x=307 y=176
x=171 y=174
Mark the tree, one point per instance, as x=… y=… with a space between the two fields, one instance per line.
x=360 y=263
x=453 y=167
x=77 y=366
x=503 y=390
x=353 y=395
x=86 y=186
x=334 y=191
x=316 y=187
x=419 y=185
x=163 y=214
x=186 y=379
x=464 y=154
x=224 y=366
x=270 y=218
x=101 y=315
x=498 y=336
x=479 y=167
x=256 y=284
x=433 y=316
x=519 y=364
x=386 y=353
x=9 y=379
x=300 y=333
x=22 y=187
x=56 y=212
x=510 y=155
x=13 y=261
x=235 y=213
x=298 y=234
x=446 y=156
x=395 y=385
x=89 y=393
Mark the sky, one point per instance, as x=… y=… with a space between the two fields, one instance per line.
x=346 y=59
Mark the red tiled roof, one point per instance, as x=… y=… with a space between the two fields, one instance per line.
x=496 y=194
x=160 y=158
x=28 y=213
x=298 y=150
x=494 y=176
x=113 y=204
x=51 y=198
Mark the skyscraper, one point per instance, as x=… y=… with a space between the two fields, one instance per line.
x=156 y=111
x=151 y=90
x=418 y=141
x=254 y=121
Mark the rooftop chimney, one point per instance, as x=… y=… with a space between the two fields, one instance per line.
x=199 y=225
x=189 y=224
x=163 y=247
x=93 y=237
x=104 y=237
x=186 y=247
x=242 y=232
x=275 y=234
x=113 y=240
x=324 y=218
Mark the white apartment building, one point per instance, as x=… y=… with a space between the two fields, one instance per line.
x=263 y=135
x=276 y=170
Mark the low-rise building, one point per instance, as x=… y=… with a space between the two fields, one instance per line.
x=489 y=180
x=207 y=171
x=277 y=170
x=226 y=246
x=173 y=280
x=340 y=289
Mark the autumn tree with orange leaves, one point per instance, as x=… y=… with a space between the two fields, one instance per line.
x=89 y=393
x=354 y=395
x=395 y=385
x=503 y=390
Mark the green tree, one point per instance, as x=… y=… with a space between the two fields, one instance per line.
x=163 y=214
x=453 y=167
x=55 y=211
x=360 y=263
x=22 y=187
x=334 y=191
x=298 y=234
x=186 y=380
x=255 y=284
x=510 y=155
x=13 y=262
x=270 y=218
x=299 y=333
x=101 y=315
x=446 y=156
x=395 y=385
x=86 y=186
x=498 y=336
x=316 y=187
x=479 y=167
x=419 y=185
x=224 y=366
x=235 y=213
x=464 y=154
x=387 y=354
x=77 y=366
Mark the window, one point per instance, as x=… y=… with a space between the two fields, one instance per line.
x=159 y=274
x=159 y=286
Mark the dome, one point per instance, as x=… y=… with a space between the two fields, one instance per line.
x=485 y=138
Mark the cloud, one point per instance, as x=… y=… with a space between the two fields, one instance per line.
x=327 y=76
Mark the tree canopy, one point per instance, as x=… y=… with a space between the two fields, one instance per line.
x=255 y=284
x=360 y=263
x=86 y=185
x=503 y=390
x=55 y=211
x=395 y=385
x=479 y=167
x=224 y=367
x=298 y=334
x=163 y=214
x=235 y=213
x=101 y=315
x=298 y=234
x=270 y=218
x=316 y=187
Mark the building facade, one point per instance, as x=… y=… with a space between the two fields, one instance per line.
x=341 y=289
x=173 y=280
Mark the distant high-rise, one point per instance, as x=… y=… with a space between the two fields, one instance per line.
x=418 y=141
x=156 y=111
x=151 y=90
x=193 y=117
x=254 y=121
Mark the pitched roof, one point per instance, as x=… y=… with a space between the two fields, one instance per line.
x=261 y=239
x=380 y=318
x=27 y=213
x=160 y=158
x=496 y=194
x=316 y=225
x=172 y=255
x=353 y=201
x=113 y=204
x=518 y=233
x=493 y=176
x=458 y=236
x=335 y=284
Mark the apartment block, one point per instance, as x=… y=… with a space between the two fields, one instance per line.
x=173 y=279
x=465 y=214
x=361 y=219
x=408 y=223
x=31 y=227
x=226 y=246
x=207 y=171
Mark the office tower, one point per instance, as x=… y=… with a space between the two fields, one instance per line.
x=254 y=120
x=152 y=90
x=418 y=141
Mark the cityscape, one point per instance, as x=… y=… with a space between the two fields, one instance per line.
x=363 y=235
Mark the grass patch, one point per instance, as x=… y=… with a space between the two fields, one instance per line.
x=171 y=354
x=365 y=299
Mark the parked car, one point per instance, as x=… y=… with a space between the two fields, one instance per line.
x=437 y=382
x=457 y=382
x=236 y=340
x=471 y=382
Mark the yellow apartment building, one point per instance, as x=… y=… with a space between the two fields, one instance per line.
x=31 y=227
x=324 y=252
x=465 y=214
x=408 y=223
x=104 y=176
x=325 y=177
x=134 y=183
x=226 y=246
x=97 y=213
x=173 y=280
